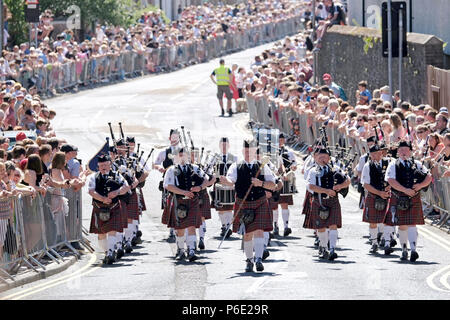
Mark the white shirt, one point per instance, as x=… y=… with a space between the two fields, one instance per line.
x=362 y=161
x=172 y=180
x=92 y=184
x=390 y=172
x=266 y=172
x=308 y=164
x=365 y=176
x=162 y=155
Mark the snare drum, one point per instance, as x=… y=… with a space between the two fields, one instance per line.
x=224 y=197
x=289 y=187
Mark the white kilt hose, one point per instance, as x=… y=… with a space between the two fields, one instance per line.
x=313 y=220
x=193 y=218
x=263 y=215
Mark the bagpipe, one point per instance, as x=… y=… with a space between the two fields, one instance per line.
x=344 y=161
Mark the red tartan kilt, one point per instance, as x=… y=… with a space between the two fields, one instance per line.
x=272 y=204
x=412 y=216
x=205 y=207
x=194 y=216
x=133 y=210
x=307 y=202
x=286 y=199
x=166 y=212
x=115 y=223
x=263 y=215
x=141 y=196
x=370 y=214
x=124 y=214
x=335 y=217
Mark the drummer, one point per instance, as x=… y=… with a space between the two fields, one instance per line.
x=287 y=169
x=225 y=211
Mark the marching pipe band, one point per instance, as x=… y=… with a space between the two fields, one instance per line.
x=246 y=194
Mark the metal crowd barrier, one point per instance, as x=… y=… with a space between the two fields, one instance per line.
x=60 y=77
x=265 y=114
x=38 y=227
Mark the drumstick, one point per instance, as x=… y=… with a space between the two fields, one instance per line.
x=264 y=161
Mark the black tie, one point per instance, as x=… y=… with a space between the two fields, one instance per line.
x=225 y=159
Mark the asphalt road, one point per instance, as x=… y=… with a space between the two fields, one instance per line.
x=148 y=107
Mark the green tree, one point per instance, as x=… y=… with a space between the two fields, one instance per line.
x=17 y=27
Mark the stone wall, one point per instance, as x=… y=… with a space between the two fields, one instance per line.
x=351 y=54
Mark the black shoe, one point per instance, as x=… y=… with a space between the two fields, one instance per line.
x=138 y=240
x=229 y=233
x=139 y=233
x=134 y=241
x=393 y=243
x=201 y=244
x=388 y=250
x=404 y=255
x=109 y=259
x=323 y=253
x=259 y=265
x=249 y=267
x=382 y=243
x=316 y=242
x=414 y=256
x=287 y=231
x=180 y=255
x=333 y=255
x=230 y=113
x=276 y=231
x=223 y=113
x=128 y=247
x=374 y=248
x=379 y=237
x=119 y=253
x=192 y=257
x=222 y=233
x=266 y=254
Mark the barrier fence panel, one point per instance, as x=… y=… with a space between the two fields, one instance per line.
x=269 y=114
x=11 y=254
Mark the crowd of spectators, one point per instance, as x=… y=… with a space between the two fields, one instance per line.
x=32 y=159
x=283 y=75
x=151 y=31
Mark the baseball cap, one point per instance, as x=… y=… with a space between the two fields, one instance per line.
x=68 y=148
x=326 y=76
x=21 y=136
x=443 y=110
x=23 y=163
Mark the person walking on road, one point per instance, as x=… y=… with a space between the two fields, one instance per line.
x=222 y=79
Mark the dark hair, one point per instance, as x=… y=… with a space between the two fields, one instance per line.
x=45 y=149
x=35 y=163
x=363 y=84
x=53 y=142
x=17 y=151
x=59 y=160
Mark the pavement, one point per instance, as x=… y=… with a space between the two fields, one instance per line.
x=148 y=107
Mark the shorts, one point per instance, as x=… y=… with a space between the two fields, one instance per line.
x=221 y=90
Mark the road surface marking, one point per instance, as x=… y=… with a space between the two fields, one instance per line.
x=52 y=283
x=435 y=274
